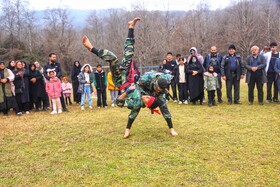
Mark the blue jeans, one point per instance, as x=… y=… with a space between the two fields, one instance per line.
x=88 y=93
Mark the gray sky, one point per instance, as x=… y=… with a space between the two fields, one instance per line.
x=127 y=4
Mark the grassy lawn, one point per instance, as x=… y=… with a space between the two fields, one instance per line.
x=237 y=145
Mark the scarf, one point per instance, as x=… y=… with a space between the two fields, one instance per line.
x=7 y=87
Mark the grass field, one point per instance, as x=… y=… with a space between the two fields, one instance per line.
x=237 y=145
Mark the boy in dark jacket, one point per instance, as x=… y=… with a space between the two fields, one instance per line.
x=100 y=83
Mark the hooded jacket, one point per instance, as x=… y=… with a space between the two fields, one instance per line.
x=82 y=78
x=199 y=56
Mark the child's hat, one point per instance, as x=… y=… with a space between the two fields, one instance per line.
x=51 y=70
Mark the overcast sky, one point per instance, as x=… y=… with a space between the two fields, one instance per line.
x=127 y=4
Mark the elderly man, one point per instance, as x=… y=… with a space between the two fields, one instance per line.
x=256 y=75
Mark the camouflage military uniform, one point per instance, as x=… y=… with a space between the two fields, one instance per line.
x=144 y=87
x=148 y=83
x=119 y=76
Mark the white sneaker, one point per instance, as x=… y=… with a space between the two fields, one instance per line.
x=59 y=111
x=175 y=101
x=186 y=102
x=27 y=112
x=82 y=108
x=180 y=102
x=105 y=106
x=113 y=105
x=54 y=112
x=90 y=107
x=98 y=107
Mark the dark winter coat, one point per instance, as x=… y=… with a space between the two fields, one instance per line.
x=195 y=83
x=37 y=89
x=177 y=73
x=100 y=80
x=261 y=66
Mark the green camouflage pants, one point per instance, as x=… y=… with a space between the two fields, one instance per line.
x=119 y=76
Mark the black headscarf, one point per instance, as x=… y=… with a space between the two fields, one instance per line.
x=75 y=70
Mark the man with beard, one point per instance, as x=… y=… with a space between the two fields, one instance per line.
x=53 y=64
x=215 y=59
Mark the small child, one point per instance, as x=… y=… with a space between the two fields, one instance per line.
x=114 y=91
x=67 y=90
x=53 y=89
x=100 y=83
x=85 y=79
x=211 y=84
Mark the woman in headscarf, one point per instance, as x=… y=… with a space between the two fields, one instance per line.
x=37 y=87
x=74 y=76
x=195 y=80
x=7 y=91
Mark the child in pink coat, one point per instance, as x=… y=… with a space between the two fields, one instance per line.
x=53 y=89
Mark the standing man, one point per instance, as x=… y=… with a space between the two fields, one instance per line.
x=215 y=59
x=170 y=64
x=271 y=58
x=52 y=64
x=255 y=65
x=232 y=70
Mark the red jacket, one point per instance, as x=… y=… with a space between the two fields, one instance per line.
x=54 y=88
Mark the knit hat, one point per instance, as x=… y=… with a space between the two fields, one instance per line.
x=231 y=46
x=2 y=62
x=162 y=83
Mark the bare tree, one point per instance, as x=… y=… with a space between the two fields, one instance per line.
x=59 y=35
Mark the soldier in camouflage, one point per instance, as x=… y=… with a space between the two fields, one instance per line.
x=151 y=85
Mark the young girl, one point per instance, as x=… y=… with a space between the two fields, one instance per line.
x=211 y=84
x=67 y=90
x=53 y=89
x=85 y=80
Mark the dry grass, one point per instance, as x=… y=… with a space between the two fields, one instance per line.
x=218 y=146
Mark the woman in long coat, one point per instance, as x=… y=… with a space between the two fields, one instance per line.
x=7 y=90
x=195 y=80
x=37 y=88
x=74 y=76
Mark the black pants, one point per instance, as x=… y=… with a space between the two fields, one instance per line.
x=183 y=92
x=211 y=97
x=255 y=79
x=271 y=81
x=232 y=81
x=174 y=90
x=62 y=101
x=68 y=99
x=219 y=90
x=101 y=96
x=21 y=106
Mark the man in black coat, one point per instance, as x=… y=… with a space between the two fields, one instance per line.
x=232 y=70
x=53 y=64
x=170 y=64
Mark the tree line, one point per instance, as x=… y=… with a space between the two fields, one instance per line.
x=243 y=23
